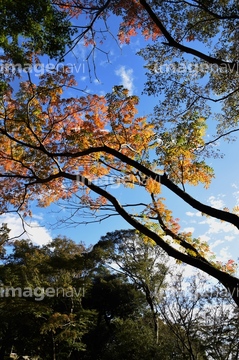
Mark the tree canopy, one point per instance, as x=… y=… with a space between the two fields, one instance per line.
x=55 y=146
x=33 y=28
x=64 y=300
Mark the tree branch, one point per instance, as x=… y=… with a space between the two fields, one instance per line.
x=230 y=282
x=233 y=66
x=163 y=179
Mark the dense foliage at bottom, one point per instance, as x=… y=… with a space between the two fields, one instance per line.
x=111 y=302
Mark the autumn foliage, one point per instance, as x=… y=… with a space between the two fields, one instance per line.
x=56 y=146
x=44 y=132
x=48 y=140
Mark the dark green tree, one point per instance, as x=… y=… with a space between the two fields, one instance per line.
x=41 y=300
x=33 y=27
x=50 y=144
x=115 y=301
x=4 y=237
x=141 y=332
x=141 y=261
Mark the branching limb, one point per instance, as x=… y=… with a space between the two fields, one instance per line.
x=229 y=281
x=173 y=43
x=163 y=179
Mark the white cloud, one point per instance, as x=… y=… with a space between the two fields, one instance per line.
x=96 y=81
x=126 y=78
x=189 y=213
x=216 y=203
x=229 y=238
x=189 y=229
x=35 y=232
x=236 y=196
x=216 y=226
x=204 y=238
x=224 y=255
x=79 y=51
x=216 y=233
x=216 y=243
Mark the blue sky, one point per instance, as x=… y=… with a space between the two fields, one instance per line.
x=125 y=68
